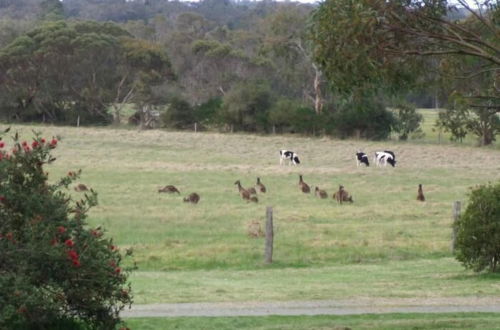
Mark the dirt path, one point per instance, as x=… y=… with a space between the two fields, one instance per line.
x=321 y=307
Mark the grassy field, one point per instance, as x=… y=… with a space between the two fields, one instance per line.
x=322 y=250
x=386 y=321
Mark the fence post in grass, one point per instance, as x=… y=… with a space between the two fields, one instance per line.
x=195 y=127
x=78 y=121
x=457 y=206
x=269 y=235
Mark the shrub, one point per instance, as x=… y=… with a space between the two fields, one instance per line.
x=206 y=113
x=364 y=118
x=55 y=271
x=246 y=106
x=288 y=115
x=478 y=230
x=407 y=120
x=179 y=114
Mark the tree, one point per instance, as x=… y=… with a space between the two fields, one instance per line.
x=145 y=64
x=374 y=45
x=459 y=119
x=246 y=106
x=478 y=230
x=287 y=38
x=179 y=114
x=407 y=120
x=364 y=117
x=347 y=36
x=51 y=10
x=376 y=41
x=55 y=271
x=62 y=71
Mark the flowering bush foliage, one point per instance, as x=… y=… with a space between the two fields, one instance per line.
x=55 y=271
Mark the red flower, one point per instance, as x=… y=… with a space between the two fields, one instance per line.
x=42 y=140
x=35 y=144
x=112 y=247
x=2 y=144
x=73 y=254
x=24 y=144
x=61 y=229
x=118 y=270
x=76 y=263
x=2 y=199
x=53 y=143
x=69 y=243
x=53 y=241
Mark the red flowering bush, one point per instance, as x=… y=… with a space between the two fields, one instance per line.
x=55 y=271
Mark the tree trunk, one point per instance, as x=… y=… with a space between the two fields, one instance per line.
x=318 y=99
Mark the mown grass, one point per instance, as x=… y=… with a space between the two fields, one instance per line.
x=422 y=279
x=369 y=321
x=384 y=226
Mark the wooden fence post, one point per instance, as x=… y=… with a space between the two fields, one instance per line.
x=456 y=210
x=269 y=235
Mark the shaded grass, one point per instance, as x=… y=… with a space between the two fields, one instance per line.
x=369 y=321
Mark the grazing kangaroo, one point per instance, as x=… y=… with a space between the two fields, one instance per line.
x=260 y=186
x=81 y=187
x=245 y=194
x=192 y=198
x=169 y=189
x=342 y=195
x=320 y=193
x=420 y=194
x=303 y=186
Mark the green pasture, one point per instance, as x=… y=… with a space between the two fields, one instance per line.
x=370 y=321
x=322 y=250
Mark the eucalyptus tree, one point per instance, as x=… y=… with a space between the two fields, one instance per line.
x=383 y=45
x=62 y=70
x=285 y=37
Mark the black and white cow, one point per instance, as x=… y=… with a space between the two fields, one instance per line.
x=362 y=158
x=289 y=156
x=384 y=157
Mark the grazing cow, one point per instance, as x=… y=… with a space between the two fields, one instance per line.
x=362 y=158
x=384 y=157
x=289 y=156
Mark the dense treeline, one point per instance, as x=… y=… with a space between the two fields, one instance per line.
x=242 y=65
